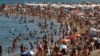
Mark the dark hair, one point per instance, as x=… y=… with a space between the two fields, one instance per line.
x=0 y=49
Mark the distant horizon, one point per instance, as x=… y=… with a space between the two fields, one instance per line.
x=41 y=1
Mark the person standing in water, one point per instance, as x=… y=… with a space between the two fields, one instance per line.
x=22 y=48
x=32 y=47
x=10 y=50
x=31 y=34
x=0 y=50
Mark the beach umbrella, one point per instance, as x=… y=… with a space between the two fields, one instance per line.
x=65 y=40
x=79 y=5
x=57 y=6
x=67 y=6
x=92 y=29
x=53 y=5
x=28 y=53
x=62 y=46
x=31 y=4
x=43 y=5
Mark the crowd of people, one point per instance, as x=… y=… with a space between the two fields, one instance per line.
x=75 y=29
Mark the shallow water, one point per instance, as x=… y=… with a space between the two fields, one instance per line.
x=8 y=24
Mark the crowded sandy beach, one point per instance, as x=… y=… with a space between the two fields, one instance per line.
x=50 y=29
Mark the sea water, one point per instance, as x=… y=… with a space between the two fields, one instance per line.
x=9 y=24
x=41 y=1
